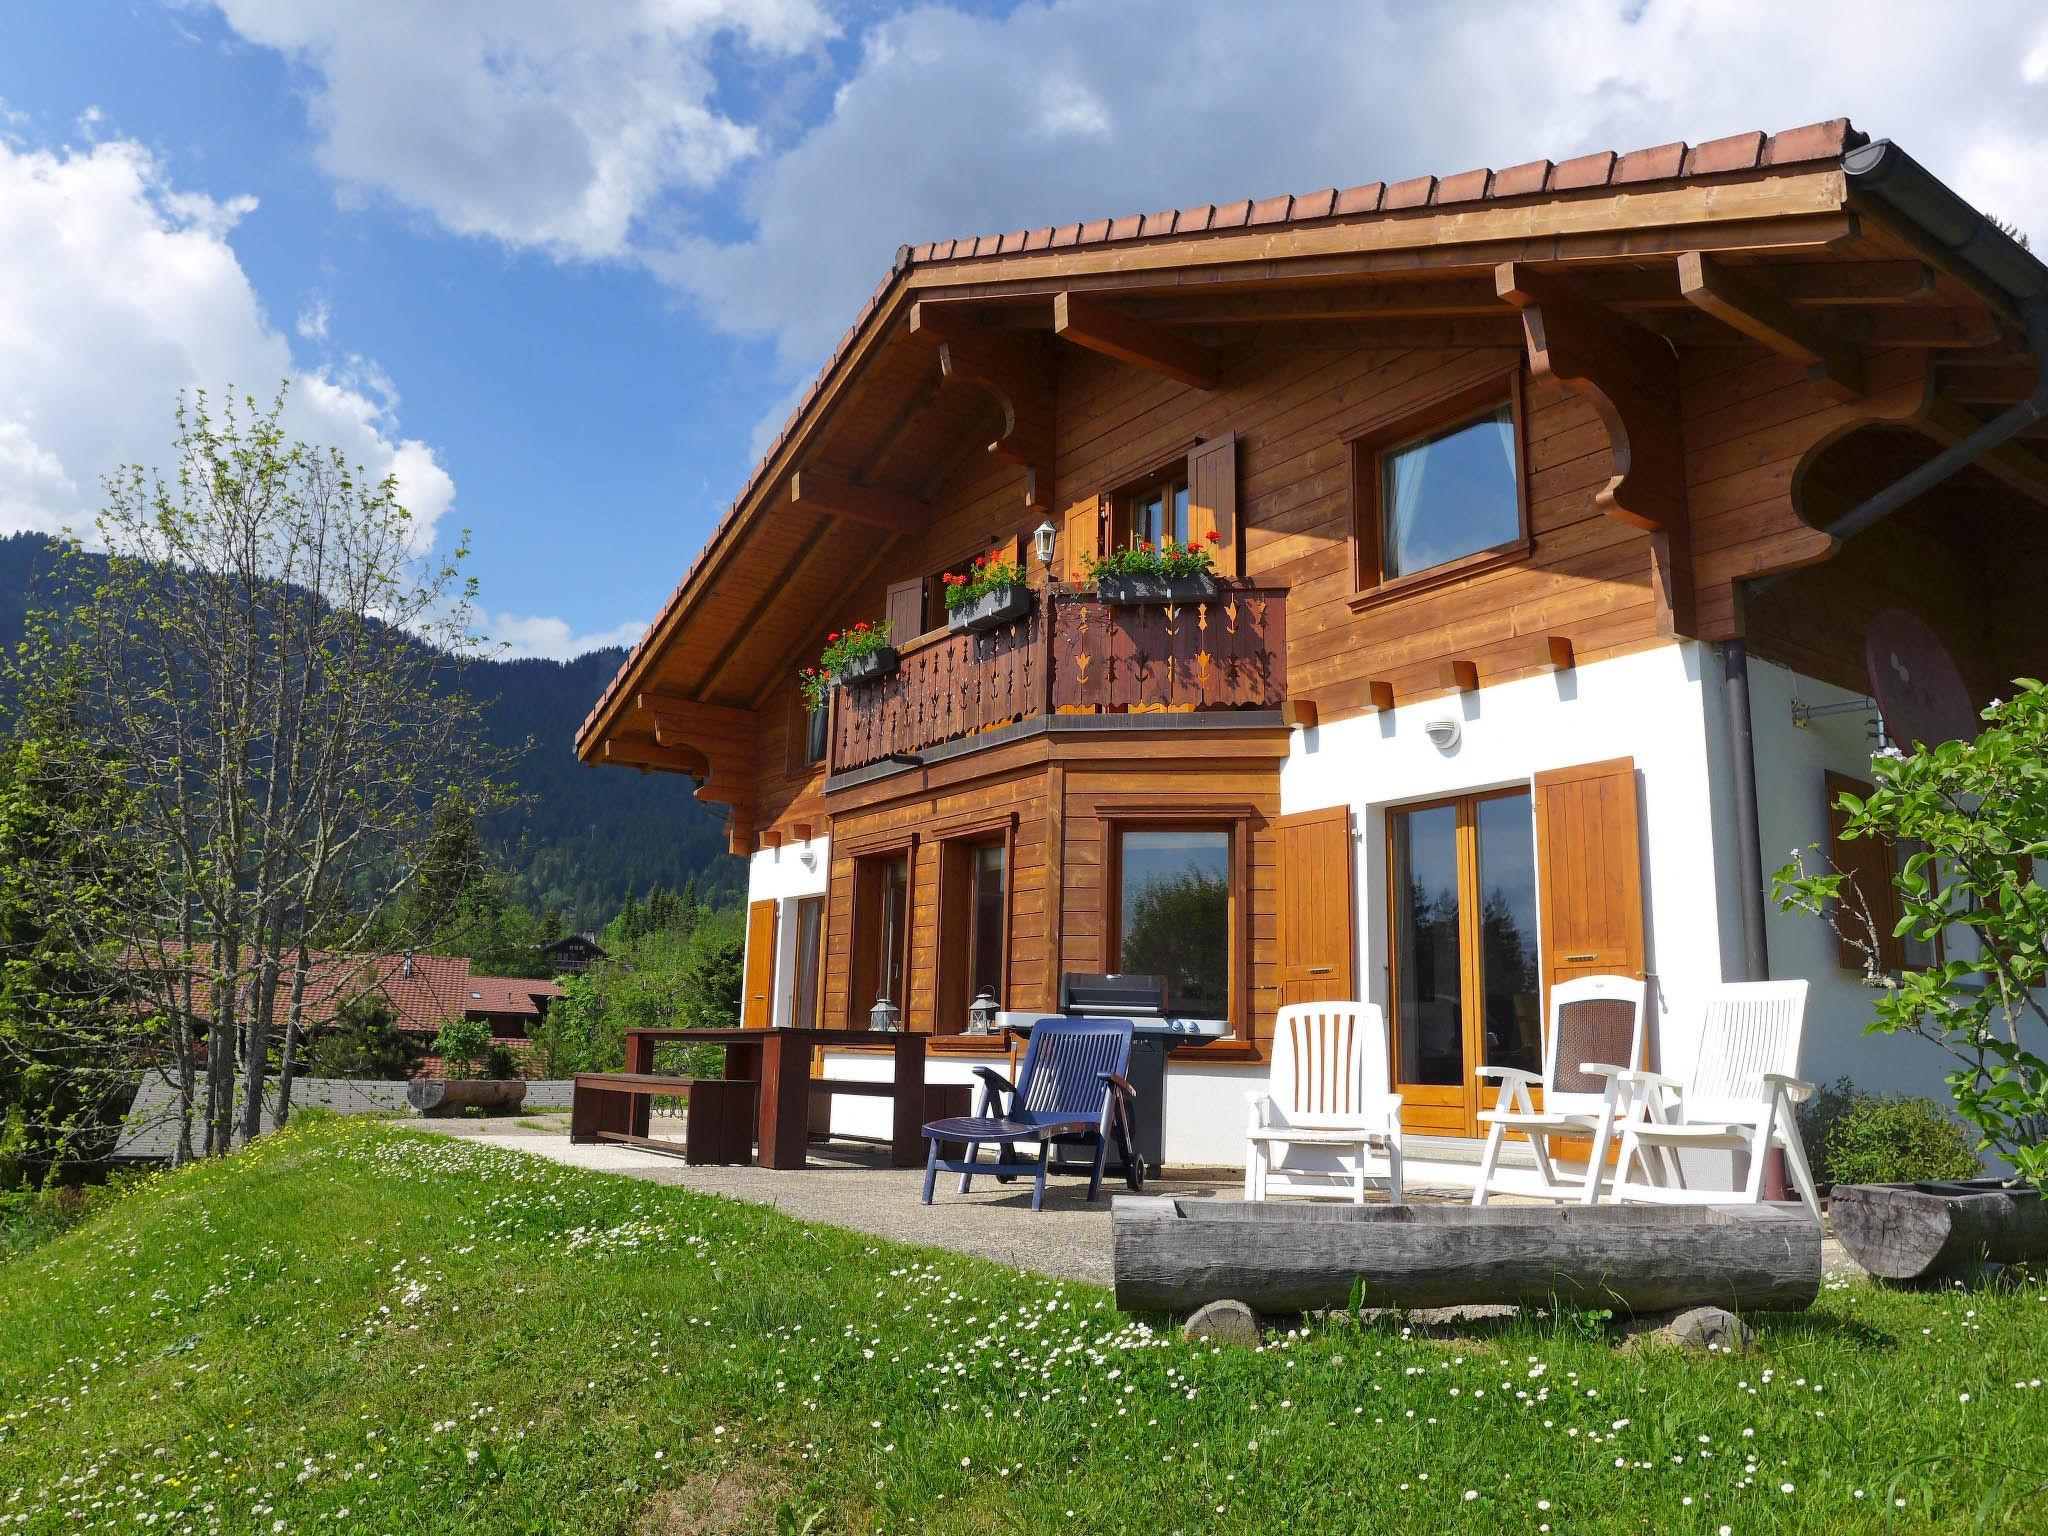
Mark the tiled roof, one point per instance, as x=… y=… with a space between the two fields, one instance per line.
x=1605 y=168
x=424 y=991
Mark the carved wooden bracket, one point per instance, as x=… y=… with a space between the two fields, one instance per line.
x=713 y=743
x=1019 y=372
x=1630 y=376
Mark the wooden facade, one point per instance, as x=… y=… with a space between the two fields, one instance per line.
x=1705 y=354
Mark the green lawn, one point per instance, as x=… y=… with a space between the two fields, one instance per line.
x=351 y=1326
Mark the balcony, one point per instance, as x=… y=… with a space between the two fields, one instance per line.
x=1071 y=655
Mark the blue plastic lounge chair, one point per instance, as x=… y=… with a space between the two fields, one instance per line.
x=1073 y=1089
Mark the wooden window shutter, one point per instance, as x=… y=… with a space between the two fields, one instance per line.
x=1081 y=536
x=757 y=992
x=1867 y=861
x=1212 y=501
x=1318 y=927
x=1589 y=878
x=904 y=609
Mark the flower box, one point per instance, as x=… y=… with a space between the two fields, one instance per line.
x=1135 y=587
x=998 y=605
x=865 y=669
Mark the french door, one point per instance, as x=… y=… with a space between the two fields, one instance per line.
x=1465 y=972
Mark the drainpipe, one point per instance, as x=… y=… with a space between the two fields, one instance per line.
x=1886 y=174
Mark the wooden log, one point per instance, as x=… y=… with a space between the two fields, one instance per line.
x=1173 y=1255
x=1916 y=1231
x=448 y=1096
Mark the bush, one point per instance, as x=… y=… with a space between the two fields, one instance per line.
x=364 y=1042
x=460 y=1043
x=1855 y=1137
x=501 y=1062
x=674 y=979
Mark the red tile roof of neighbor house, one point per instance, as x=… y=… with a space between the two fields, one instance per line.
x=1603 y=169
x=424 y=991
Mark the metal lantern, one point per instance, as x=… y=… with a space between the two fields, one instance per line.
x=885 y=1017
x=981 y=1013
x=1042 y=542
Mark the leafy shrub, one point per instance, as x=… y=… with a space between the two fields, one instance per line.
x=1855 y=1137
x=501 y=1061
x=364 y=1042
x=461 y=1042
x=680 y=978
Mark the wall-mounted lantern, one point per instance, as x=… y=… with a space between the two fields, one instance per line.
x=885 y=1017
x=981 y=1013
x=1042 y=542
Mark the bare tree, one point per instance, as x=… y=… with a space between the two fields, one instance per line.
x=274 y=671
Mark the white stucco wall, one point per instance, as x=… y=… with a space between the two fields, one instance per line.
x=784 y=875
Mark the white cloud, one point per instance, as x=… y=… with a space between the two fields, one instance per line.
x=117 y=290
x=314 y=318
x=955 y=125
x=541 y=636
x=533 y=122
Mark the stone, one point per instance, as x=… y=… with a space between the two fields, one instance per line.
x=1223 y=1322
x=1700 y=1330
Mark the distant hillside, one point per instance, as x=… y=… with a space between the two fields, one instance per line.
x=589 y=834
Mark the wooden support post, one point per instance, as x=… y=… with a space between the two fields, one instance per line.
x=1018 y=371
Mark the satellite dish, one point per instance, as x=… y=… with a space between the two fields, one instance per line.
x=1919 y=689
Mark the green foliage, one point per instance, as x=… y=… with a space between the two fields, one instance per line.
x=1855 y=1137
x=1174 y=930
x=1976 y=815
x=364 y=1042
x=686 y=976
x=841 y=648
x=501 y=1062
x=460 y=1042
x=511 y=1347
x=1165 y=558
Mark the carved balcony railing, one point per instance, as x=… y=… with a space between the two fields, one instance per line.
x=1071 y=655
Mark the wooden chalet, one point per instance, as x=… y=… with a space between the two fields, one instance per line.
x=1552 y=503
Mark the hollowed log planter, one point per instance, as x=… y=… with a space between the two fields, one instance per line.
x=1917 y=1231
x=998 y=606
x=1127 y=591
x=446 y=1096
x=1174 y=1255
x=863 y=669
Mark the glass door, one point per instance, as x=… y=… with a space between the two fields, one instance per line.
x=1462 y=952
x=810 y=935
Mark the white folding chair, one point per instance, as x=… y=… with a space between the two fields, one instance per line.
x=1595 y=1035
x=1331 y=1092
x=1740 y=1097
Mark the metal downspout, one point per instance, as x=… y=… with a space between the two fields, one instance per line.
x=2009 y=423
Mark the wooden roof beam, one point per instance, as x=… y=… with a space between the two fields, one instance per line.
x=816 y=491
x=1630 y=377
x=1017 y=370
x=1138 y=342
x=1732 y=298
x=2017 y=468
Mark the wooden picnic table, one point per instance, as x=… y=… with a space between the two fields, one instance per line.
x=765 y=1095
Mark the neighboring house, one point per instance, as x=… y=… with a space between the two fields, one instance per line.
x=573 y=953
x=1525 y=477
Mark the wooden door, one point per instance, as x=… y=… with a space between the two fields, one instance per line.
x=1318 y=926
x=806 y=973
x=1589 y=871
x=757 y=993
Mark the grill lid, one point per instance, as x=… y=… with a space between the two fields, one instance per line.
x=1109 y=995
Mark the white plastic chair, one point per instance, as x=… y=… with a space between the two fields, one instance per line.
x=1740 y=1097
x=1331 y=1090
x=1595 y=1035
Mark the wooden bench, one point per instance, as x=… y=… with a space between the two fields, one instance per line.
x=718 y=1125
x=913 y=1110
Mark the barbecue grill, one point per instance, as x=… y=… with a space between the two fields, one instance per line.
x=1155 y=1034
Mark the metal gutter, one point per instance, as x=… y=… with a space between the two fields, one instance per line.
x=1887 y=174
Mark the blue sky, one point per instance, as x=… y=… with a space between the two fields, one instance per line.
x=562 y=267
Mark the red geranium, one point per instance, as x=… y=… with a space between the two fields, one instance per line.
x=1212 y=537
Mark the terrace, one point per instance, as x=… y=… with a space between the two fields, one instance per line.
x=1071 y=655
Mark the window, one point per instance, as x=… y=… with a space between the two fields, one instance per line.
x=1467 y=982
x=1174 y=914
x=817 y=722
x=881 y=934
x=973 y=926
x=1153 y=513
x=1435 y=492
x=808 y=734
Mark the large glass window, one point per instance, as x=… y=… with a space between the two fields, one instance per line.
x=985 y=922
x=810 y=934
x=1173 y=910
x=1153 y=514
x=1439 y=491
x=880 y=949
x=1466 y=973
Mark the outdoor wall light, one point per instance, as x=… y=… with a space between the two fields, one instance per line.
x=1042 y=541
x=885 y=1017
x=1443 y=734
x=807 y=856
x=981 y=1013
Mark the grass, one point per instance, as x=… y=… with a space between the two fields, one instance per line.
x=353 y=1326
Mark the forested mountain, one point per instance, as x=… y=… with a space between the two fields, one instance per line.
x=586 y=835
